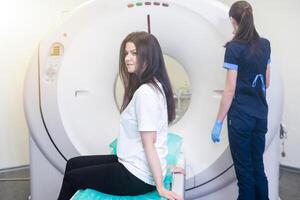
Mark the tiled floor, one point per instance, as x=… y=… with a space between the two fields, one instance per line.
x=15 y=185
x=289 y=184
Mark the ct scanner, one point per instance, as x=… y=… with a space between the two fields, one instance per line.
x=69 y=99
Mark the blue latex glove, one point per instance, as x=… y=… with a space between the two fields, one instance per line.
x=216 y=131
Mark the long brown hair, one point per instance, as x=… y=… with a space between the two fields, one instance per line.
x=241 y=11
x=150 y=65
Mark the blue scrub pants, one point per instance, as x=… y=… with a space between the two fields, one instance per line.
x=247 y=144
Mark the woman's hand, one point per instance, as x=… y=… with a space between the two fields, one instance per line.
x=169 y=194
x=176 y=169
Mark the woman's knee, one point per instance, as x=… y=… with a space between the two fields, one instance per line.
x=72 y=163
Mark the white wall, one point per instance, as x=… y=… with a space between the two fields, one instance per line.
x=22 y=24
x=279 y=21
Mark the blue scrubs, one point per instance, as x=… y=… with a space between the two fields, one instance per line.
x=247 y=117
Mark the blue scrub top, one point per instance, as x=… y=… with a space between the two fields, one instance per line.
x=250 y=93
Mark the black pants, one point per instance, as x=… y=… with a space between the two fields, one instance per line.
x=246 y=136
x=102 y=173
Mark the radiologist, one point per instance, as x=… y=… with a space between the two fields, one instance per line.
x=247 y=60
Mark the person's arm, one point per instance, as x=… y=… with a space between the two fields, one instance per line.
x=228 y=94
x=268 y=76
x=231 y=63
x=225 y=104
x=148 y=140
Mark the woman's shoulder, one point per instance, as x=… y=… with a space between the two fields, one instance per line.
x=147 y=92
x=235 y=45
x=265 y=41
x=146 y=89
x=234 y=48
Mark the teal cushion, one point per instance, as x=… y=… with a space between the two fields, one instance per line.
x=89 y=194
x=174 y=147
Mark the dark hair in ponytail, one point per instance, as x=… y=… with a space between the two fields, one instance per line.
x=241 y=11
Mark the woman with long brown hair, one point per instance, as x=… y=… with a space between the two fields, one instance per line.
x=148 y=108
x=247 y=60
